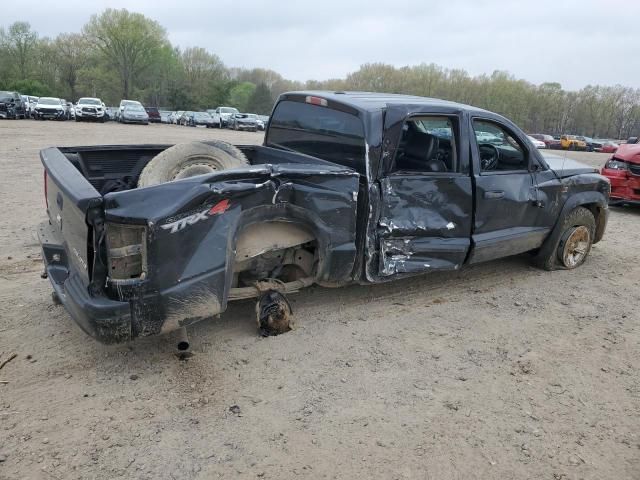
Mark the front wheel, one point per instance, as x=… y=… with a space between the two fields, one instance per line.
x=574 y=245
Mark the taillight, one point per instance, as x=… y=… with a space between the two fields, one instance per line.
x=126 y=253
x=46 y=196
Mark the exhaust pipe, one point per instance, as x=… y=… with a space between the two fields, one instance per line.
x=183 y=340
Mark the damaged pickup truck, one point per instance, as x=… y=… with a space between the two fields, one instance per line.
x=348 y=187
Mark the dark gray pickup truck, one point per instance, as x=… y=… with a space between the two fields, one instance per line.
x=348 y=187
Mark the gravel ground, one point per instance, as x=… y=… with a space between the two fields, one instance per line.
x=498 y=371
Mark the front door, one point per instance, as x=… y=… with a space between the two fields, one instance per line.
x=507 y=203
x=426 y=198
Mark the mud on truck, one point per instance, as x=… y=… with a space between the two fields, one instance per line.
x=348 y=187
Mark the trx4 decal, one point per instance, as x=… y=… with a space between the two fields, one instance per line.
x=177 y=225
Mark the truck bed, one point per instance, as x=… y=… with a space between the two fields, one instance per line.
x=117 y=167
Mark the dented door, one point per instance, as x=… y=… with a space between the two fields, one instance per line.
x=425 y=217
x=425 y=223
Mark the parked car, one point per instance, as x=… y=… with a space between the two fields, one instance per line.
x=591 y=144
x=176 y=117
x=29 y=103
x=536 y=143
x=50 y=108
x=133 y=113
x=262 y=122
x=221 y=116
x=33 y=101
x=124 y=103
x=571 y=142
x=11 y=105
x=623 y=171
x=608 y=146
x=184 y=118
x=165 y=116
x=110 y=113
x=68 y=107
x=200 y=119
x=90 y=109
x=243 y=121
x=323 y=200
x=548 y=140
x=486 y=137
x=154 y=114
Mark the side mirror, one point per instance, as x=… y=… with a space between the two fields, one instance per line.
x=632 y=140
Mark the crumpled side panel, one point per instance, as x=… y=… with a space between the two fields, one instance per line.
x=425 y=223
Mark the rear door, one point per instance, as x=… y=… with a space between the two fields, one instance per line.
x=426 y=193
x=507 y=198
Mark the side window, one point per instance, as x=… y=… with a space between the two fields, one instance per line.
x=428 y=144
x=499 y=151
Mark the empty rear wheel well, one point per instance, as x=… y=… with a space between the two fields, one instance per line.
x=275 y=249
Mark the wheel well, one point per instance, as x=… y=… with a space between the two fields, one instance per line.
x=274 y=249
x=598 y=213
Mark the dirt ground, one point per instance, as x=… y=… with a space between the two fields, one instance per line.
x=499 y=371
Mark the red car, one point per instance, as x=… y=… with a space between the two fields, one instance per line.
x=609 y=147
x=623 y=171
x=154 y=114
x=548 y=140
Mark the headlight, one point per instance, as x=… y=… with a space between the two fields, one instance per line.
x=614 y=164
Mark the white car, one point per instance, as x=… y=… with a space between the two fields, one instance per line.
x=125 y=103
x=49 y=108
x=537 y=143
x=221 y=116
x=89 y=108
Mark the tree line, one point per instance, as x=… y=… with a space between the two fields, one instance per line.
x=121 y=54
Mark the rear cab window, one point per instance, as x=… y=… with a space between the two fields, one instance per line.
x=324 y=132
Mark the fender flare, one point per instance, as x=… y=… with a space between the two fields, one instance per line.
x=595 y=201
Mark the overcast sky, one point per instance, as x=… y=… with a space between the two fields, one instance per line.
x=574 y=42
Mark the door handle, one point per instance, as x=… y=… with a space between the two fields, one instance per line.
x=494 y=195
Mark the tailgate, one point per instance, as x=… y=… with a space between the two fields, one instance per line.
x=69 y=198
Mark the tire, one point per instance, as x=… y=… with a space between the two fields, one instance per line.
x=186 y=160
x=77 y=119
x=578 y=226
x=229 y=149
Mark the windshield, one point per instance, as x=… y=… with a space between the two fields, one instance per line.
x=322 y=132
x=228 y=110
x=90 y=101
x=124 y=103
x=49 y=101
x=202 y=115
x=6 y=95
x=134 y=108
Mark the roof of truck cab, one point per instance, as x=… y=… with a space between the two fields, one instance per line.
x=370 y=101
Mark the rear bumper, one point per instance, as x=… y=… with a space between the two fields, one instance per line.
x=106 y=320
x=144 y=314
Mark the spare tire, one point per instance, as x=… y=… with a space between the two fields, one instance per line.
x=227 y=147
x=187 y=160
